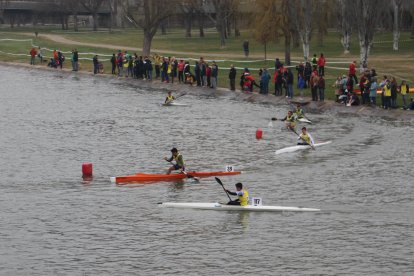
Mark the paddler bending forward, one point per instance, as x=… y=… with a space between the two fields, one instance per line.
x=305 y=138
x=170 y=98
x=299 y=112
x=242 y=194
x=179 y=161
x=290 y=120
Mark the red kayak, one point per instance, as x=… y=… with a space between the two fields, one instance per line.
x=145 y=177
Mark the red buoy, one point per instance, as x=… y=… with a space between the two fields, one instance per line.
x=259 y=133
x=86 y=169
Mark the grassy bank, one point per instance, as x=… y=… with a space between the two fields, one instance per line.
x=383 y=59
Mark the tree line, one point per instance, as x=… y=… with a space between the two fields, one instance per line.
x=293 y=21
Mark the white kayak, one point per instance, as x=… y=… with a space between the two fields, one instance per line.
x=224 y=207
x=174 y=104
x=304 y=120
x=300 y=147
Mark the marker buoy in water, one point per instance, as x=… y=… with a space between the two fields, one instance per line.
x=259 y=133
x=86 y=169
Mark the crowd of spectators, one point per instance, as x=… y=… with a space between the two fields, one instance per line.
x=350 y=89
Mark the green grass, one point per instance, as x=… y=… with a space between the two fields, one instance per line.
x=382 y=58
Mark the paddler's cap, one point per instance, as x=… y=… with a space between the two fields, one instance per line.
x=303 y=128
x=174 y=150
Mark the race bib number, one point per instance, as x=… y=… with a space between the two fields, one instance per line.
x=256 y=201
x=229 y=169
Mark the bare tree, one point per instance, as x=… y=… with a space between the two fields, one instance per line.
x=274 y=21
x=147 y=15
x=345 y=18
x=321 y=17
x=366 y=12
x=409 y=7
x=220 y=8
x=303 y=23
x=397 y=15
x=93 y=7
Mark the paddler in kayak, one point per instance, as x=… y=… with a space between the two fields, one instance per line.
x=306 y=138
x=299 y=112
x=242 y=194
x=179 y=161
x=290 y=121
x=170 y=98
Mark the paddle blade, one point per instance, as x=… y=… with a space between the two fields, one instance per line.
x=274 y=119
x=219 y=181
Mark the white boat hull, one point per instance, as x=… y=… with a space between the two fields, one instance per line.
x=300 y=147
x=224 y=207
x=304 y=120
x=174 y=104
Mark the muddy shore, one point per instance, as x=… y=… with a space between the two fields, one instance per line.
x=310 y=107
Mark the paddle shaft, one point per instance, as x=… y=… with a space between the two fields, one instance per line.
x=221 y=183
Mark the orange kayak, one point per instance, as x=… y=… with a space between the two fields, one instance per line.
x=145 y=177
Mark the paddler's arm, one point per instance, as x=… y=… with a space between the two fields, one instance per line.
x=231 y=193
x=169 y=159
x=284 y=119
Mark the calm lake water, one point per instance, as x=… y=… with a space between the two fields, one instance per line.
x=54 y=223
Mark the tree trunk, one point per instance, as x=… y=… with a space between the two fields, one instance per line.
x=305 y=47
x=228 y=27
x=287 y=48
x=320 y=38
x=295 y=39
x=146 y=47
x=201 y=24
x=346 y=42
x=365 y=47
x=95 y=21
x=163 y=27
x=236 y=26
x=412 y=27
x=188 y=20
x=396 y=26
x=75 y=26
x=62 y=22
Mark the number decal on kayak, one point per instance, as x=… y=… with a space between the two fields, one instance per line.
x=229 y=169
x=256 y=201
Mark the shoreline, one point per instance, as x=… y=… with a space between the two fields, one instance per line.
x=310 y=106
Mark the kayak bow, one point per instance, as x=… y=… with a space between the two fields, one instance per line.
x=144 y=177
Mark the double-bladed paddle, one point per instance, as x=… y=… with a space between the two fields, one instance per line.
x=221 y=183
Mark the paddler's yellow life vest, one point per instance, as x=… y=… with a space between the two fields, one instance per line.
x=299 y=113
x=244 y=199
x=306 y=138
x=290 y=118
x=179 y=160
x=170 y=98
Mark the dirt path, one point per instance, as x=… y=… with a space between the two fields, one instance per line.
x=64 y=40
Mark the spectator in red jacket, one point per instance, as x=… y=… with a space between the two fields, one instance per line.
x=33 y=54
x=321 y=65
x=180 y=67
x=352 y=71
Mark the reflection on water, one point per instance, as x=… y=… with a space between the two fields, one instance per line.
x=55 y=222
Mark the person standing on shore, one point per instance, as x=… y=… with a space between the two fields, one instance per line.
x=321 y=87
x=232 y=77
x=180 y=67
x=95 y=64
x=113 y=63
x=352 y=71
x=214 y=75
x=373 y=92
x=246 y=48
x=76 y=60
x=321 y=65
x=33 y=54
x=404 y=89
